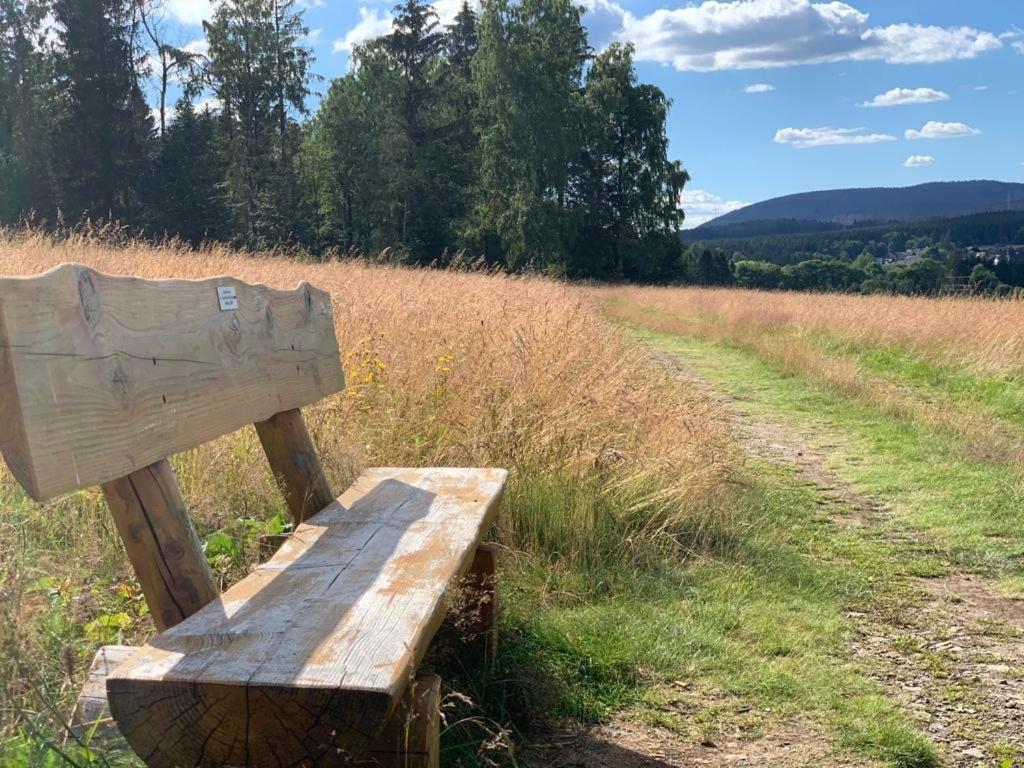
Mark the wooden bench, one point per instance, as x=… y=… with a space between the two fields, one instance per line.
x=312 y=658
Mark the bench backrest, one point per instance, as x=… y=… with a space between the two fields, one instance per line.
x=101 y=376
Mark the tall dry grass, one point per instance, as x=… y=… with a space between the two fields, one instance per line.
x=788 y=330
x=983 y=334
x=611 y=458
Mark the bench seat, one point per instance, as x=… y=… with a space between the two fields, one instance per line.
x=316 y=646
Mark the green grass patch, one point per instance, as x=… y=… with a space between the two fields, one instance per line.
x=760 y=618
x=998 y=396
x=970 y=512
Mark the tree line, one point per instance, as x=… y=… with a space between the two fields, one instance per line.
x=789 y=241
x=934 y=269
x=502 y=137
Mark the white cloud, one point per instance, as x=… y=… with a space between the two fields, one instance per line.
x=936 y=130
x=918 y=161
x=981 y=87
x=754 y=34
x=1018 y=47
x=915 y=44
x=802 y=138
x=190 y=11
x=759 y=88
x=604 y=20
x=371 y=24
x=899 y=96
x=171 y=110
x=447 y=10
x=200 y=46
x=374 y=23
x=701 y=206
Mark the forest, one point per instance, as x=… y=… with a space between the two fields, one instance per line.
x=978 y=254
x=502 y=138
x=787 y=241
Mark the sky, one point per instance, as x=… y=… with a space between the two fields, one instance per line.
x=772 y=97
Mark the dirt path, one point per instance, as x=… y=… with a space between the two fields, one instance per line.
x=955 y=661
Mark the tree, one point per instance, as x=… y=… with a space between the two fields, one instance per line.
x=527 y=75
x=171 y=62
x=461 y=41
x=982 y=279
x=352 y=157
x=427 y=198
x=867 y=264
x=188 y=197
x=625 y=183
x=259 y=72
x=103 y=124
x=26 y=108
x=760 y=275
x=702 y=265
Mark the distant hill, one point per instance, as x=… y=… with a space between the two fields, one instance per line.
x=808 y=210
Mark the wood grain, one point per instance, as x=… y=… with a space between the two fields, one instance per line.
x=102 y=375
x=311 y=652
x=295 y=464
x=161 y=543
x=409 y=739
x=91 y=716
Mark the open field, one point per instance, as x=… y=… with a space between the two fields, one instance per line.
x=615 y=466
x=675 y=588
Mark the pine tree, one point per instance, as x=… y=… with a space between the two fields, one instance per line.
x=461 y=41
x=103 y=123
x=188 y=191
x=415 y=46
x=26 y=100
x=259 y=71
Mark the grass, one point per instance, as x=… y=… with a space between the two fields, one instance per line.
x=645 y=568
x=614 y=467
x=981 y=334
x=969 y=510
x=937 y=433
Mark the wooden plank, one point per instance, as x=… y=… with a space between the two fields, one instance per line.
x=311 y=651
x=91 y=716
x=270 y=543
x=102 y=375
x=409 y=739
x=412 y=736
x=161 y=543
x=295 y=463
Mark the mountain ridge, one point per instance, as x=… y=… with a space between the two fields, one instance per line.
x=857 y=204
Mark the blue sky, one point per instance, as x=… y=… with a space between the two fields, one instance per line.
x=773 y=97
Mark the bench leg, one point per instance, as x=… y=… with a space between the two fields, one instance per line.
x=482 y=604
x=411 y=738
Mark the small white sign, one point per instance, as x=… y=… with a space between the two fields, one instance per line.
x=227 y=297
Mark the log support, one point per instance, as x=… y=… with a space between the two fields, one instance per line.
x=161 y=543
x=295 y=464
x=481 y=608
x=410 y=739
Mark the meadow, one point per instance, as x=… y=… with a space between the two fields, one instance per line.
x=651 y=571
x=614 y=463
